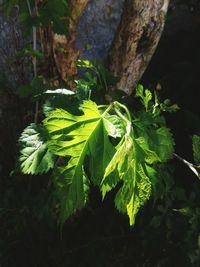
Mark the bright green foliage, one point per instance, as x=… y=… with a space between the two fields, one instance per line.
x=35 y=156
x=97 y=79
x=145 y=96
x=83 y=88
x=196 y=148
x=76 y=137
x=102 y=146
x=147 y=143
x=115 y=126
x=152 y=126
x=128 y=165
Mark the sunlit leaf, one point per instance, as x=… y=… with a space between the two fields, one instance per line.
x=76 y=137
x=35 y=156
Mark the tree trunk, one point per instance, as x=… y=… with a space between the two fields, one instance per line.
x=135 y=42
x=64 y=46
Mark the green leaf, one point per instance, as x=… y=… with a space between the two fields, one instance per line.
x=150 y=155
x=34 y=89
x=134 y=162
x=155 y=135
x=29 y=52
x=77 y=137
x=167 y=106
x=35 y=156
x=115 y=126
x=136 y=189
x=85 y=64
x=72 y=188
x=162 y=180
x=164 y=146
x=128 y=165
x=118 y=166
x=83 y=89
x=196 y=148
x=56 y=14
x=145 y=95
x=66 y=102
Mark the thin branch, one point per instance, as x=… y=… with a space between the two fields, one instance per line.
x=29 y=7
x=34 y=59
x=191 y=166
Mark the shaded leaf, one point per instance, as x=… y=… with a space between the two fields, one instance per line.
x=196 y=148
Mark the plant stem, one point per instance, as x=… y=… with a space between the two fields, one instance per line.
x=108 y=109
x=128 y=121
x=126 y=110
x=191 y=166
x=29 y=7
x=117 y=105
x=102 y=106
x=34 y=59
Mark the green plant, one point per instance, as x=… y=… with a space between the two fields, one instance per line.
x=87 y=144
x=123 y=148
x=102 y=146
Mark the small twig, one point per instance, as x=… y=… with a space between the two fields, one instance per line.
x=29 y=7
x=34 y=48
x=34 y=59
x=36 y=111
x=191 y=166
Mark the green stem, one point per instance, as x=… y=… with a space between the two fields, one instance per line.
x=34 y=59
x=117 y=105
x=102 y=106
x=121 y=116
x=99 y=76
x=29 y=7
x=128 y=123
x=107 y=110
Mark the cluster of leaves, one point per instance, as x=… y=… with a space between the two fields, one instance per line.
x=39 y=20
x=39 y=13
x=101 y=145
x=96 y=82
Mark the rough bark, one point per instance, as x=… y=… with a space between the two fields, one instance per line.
x=64 y=46
x=135 y=42
x=12 y=67
x=97 y=27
